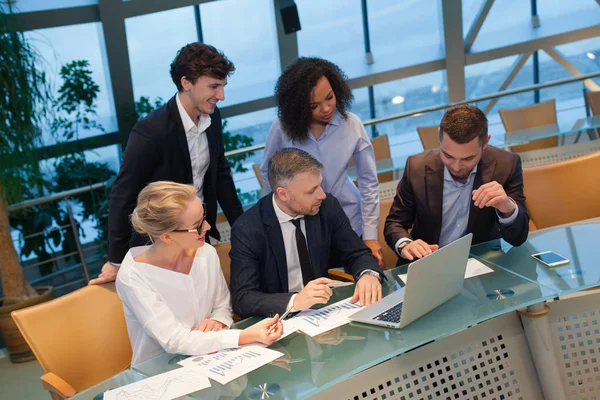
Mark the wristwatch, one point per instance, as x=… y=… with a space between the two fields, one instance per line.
x=403 y=245
x=371 y=272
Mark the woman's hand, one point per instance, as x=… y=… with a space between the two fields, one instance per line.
x=262 y=332
x=210 y=325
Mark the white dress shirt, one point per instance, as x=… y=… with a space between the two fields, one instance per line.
x=162 y=307
x=197 y=145
x=288 y=230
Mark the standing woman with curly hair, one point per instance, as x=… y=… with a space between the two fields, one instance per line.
x=313 y=99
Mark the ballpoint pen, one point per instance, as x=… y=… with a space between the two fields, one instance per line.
x=280 y=319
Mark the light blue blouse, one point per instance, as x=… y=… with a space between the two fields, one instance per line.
x=341 y=140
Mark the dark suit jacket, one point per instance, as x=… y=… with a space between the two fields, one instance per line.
x=157 y=150
x=259 y=273
x=418 y=201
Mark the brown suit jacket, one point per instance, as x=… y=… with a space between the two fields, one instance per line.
x=418 y=201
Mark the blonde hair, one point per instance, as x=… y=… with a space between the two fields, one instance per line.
x=159 y=207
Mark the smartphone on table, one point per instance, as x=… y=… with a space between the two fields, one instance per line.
x=550 y=258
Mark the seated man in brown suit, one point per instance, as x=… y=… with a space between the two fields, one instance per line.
x=464 y=186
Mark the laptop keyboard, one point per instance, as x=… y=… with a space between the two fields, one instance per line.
x=391 y=314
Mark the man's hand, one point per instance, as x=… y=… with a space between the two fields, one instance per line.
x=492 y=194
x=210 y=325
x=315 y=292
x=417 y=249
x=368 y=290
x=108 y=274
x=376 y=250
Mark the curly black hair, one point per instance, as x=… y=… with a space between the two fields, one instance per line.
x=293 y=90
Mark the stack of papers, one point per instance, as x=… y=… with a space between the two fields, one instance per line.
x=474 y=268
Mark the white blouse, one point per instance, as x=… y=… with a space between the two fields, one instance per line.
x=162 y=307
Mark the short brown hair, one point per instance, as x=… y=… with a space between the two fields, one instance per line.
x=464 y=123
x=198 y=59
x=159 y=207
x=289 y=162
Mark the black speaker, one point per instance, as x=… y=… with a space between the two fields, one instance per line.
x=289 y=16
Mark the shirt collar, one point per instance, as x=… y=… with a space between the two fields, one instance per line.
x=187 y=122
x=281 y=215
x=337 y=118
x=449 y=178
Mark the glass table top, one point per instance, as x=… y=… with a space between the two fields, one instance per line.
x=579 y=243
x=96 y=392
x=310 y=365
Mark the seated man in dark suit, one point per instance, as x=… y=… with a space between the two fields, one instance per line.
x=464 y=186
x=280 y=247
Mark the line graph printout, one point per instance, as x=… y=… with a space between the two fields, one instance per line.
x=167 y=386
x=315 y=322
x=227 y=365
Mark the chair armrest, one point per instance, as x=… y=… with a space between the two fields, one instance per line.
x=55 y=384
x=340 y=275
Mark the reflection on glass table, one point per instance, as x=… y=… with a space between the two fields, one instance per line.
x=121 y=379
x=310 y=365
x=578 y=243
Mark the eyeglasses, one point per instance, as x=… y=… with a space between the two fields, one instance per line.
x=197 y=229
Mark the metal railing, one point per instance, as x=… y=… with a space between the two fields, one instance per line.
x=74 y=192
x=492 y=96
x=73 y=225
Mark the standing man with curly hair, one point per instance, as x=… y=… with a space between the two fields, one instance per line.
x=181 y=141
x=313 y=100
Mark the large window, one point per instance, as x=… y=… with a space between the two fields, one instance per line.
x=405 y=95
x=404 y=32
x=59 y=46
x=153 y=41
x=245 y=32
x=41 y=5
x=333 y=30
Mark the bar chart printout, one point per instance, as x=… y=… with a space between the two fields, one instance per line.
x=315 y=322
x=227 y=365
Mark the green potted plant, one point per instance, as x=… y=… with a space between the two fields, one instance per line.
x=24 y=98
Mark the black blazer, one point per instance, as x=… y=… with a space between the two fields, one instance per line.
x=157 y=150
x=418 y=200
x=259 y=274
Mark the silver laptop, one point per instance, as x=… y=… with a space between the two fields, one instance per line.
x=430 y=282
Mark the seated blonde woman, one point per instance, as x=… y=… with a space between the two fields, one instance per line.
x=174 y=294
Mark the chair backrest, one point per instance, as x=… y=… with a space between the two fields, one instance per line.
x=256 y=168
x=516 y=119
x=81 y=336
x=563 y=192
x=593 y=101
x=381 y=148
x=429 y=137
x=223 y=253
x=390 y=258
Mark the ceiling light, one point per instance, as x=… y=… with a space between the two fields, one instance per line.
x=397 y=100
x=591 y=55
x=435 y=88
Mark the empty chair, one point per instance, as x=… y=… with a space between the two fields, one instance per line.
x=256 y=168
x=563 y=192
x=381 y=148
x=593 y=102
x=429 y=137
x=223 y=253
x=80 y=339
x=517 y=119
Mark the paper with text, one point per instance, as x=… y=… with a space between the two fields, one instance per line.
x=315 y=322
x=474 y=268
x=226 y=365
x=167 y=386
